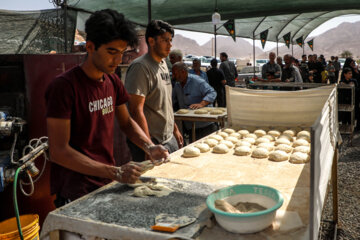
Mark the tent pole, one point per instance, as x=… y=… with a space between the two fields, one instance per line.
x=65 y=25
x=254 y=52
x=277 y=47
x=149 y=11
x=215 y=41
x=292 y=49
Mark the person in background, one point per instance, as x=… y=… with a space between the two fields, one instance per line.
x=82 y=104
x=347 y=74
x=174 y=57
x=288 y=73
x=192 y=91
x=217 y=81
x=295 y=63
x=304 y=69
x=228 y=69
x=149 y=85
x=337 y=66
x=197 y=71
x=279 y=61
x=271 y=69
x=350 y=63
x=331 y=72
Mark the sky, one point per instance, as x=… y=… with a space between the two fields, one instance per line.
x=200 y=38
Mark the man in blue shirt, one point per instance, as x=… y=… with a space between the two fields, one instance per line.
x=197 y=71
x=191 y=91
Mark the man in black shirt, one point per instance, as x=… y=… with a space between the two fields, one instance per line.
x=217 y=81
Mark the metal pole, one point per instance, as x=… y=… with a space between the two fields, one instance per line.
x=65 y=24
x=292 y=48
x=215 y=40
x=277 y=47
x=254 y=52
x=149 y=11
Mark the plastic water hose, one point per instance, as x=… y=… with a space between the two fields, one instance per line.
x=15 y=204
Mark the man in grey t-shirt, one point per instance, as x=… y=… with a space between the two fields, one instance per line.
x=149 y=85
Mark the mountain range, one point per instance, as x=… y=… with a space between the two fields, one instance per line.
x=330 y=43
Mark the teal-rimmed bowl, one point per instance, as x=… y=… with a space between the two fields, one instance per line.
x=246 y=222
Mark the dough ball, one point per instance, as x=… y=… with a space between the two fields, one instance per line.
x=301 y=142
x=143 y=191
x=260 y=132
x=229 y=144
x=242 y=151
x=183 y=111
x=274 y=133
x=249 y=140
x=221 y=148
x=243 y=132
x=251 y=135
x=260 y=152
x=232 y=139
x=303 y=149
x=201 y=111
x=243 y=143
x=221 y=109
x=208 y=109
x=237 y=135
x=191 y=152
x=284 y=147
x=268 y=146
x=262 y=140
x=304 y=135
x=216 y=112
x=229 y=130
x=211 y=142
x=299 y=157
x=290 y=138
x=278 y=156
x=216 y=137
x=271 y=138
x=282 y=141
x=203 y=147
x=223 y=134
x=305 y=138
x=289 y=132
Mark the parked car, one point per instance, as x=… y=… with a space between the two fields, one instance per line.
x=247 y=73
x=260 y=62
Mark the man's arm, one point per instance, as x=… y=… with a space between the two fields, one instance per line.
x=136 y=109
x=137 y=135
x=63 y=154
x=208 y=93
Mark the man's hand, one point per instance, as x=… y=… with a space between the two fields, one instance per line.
x=178 y=137
x=196 y=106
x=128 y=173
x=158 y=153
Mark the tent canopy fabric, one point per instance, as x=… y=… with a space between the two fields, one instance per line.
x=251 y=16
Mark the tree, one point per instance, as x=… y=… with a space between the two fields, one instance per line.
x=346 y=54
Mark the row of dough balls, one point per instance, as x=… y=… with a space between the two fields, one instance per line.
x=224 y=140
x=205 y=110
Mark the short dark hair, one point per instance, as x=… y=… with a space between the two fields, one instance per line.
x=303 y=55
x=224 y=54
x=346 y=70
x=108 y=25
x=213 y=62
x=156 y=28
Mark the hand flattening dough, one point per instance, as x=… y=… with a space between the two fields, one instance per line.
x=201 y=111
x=191 y=152
x=278 y=156
x=211 y=142
x=284 y=147
x=259 y=132
x=303 y=149
x=221 y=148
x=229 y=130
x=260 y=152
x=183 y=111
x=301 y=142
x=242 y=151
x=203 y=147
x=299 y=157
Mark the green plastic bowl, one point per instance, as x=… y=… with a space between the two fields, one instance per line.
x=246 y=222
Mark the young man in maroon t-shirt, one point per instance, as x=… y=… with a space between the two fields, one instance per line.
x=81 y=105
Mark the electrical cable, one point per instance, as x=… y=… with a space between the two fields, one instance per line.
x=16 y=209
x=31 y=183
x=13 y=149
